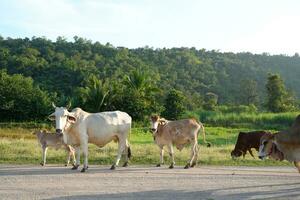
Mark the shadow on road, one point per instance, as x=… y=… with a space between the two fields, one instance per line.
x=284 y=193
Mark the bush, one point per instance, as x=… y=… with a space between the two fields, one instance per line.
x=174 y=105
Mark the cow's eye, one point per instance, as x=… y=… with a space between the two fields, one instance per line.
x=265 y=143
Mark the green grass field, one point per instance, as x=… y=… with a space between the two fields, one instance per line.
x=19 y=146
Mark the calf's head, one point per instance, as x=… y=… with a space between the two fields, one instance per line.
x=63 y=118
x=266 y=145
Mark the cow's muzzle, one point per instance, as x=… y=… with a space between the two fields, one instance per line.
x=58 y=131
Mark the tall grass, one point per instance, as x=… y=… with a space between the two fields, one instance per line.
x=245 y=119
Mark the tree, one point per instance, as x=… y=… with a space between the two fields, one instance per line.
x=174 y=105
x=248 y=92
x=20 y=99
x=210 y=101
x=278 y=98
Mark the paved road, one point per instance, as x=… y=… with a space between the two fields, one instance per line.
x=139 y=182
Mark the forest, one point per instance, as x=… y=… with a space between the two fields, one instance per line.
x=34 y=72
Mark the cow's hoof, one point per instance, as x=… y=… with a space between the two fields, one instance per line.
x=75 y=167
x=158 y=165
x=193 y=164
x=42 y=164
x=171 y=166
x=84 y=169
x=125 y=164
x=187 y=166
x=113 y=167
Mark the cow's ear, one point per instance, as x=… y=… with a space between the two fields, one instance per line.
x=51 y=117
x=71 y=119
x=162 y=121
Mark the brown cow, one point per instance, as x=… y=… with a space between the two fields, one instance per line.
x=178 y=133
x=246 y=141
x=284 y=144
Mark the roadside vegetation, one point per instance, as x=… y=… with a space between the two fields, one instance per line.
x=19 y=146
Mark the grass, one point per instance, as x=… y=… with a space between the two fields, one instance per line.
x=19 y=146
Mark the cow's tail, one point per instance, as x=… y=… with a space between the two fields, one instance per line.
x=128 y=152
x=208 y=144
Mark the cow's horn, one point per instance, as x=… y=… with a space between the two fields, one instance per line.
x=53 y=105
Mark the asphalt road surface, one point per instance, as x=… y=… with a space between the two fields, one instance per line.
x=147 y=182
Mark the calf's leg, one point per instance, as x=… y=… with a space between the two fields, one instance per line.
x=44 y=155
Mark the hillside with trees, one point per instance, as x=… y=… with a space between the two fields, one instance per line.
x=99 y=77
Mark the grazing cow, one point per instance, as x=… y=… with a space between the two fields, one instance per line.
x=80 y=128
x=246 y=141
x=46 y=140
x=283 y=145
x=178 y=133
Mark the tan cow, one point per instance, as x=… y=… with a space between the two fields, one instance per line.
x=178 y=133
x=53 y=140
x=283 y=145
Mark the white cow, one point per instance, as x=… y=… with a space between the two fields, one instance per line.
x=80 y=128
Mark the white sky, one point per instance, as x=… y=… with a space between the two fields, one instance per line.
x=256 y=26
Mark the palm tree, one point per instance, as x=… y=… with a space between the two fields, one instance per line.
x=95 y=94
x=139 y=81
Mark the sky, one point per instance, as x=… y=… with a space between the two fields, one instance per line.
x=257 y=26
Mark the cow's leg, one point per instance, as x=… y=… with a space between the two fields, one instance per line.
x=121 y=148
x=196 y=156
x=127 y=153
x=85 y=155
x=297 y=165
x=250 y=151
x=77 y=163
x=193 y=154
x=171 y=153
x=244 y=153
x=68 y=151
x=68 y=158
x=72 y=153
x=161 y=153
x=44 y=155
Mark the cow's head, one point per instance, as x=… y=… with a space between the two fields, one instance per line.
x=266 y=145
x=236 y=153
x=155 y=122
x=63 y=118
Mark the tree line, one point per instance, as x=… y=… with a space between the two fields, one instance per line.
x=99 y=77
